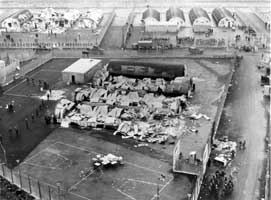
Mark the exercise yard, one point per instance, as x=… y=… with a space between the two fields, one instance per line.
x=65 y=154
x=26 y=102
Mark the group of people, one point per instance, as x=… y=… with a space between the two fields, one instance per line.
x=42 y=85
x=50 y=119
x=242 y=144
x=220 y=185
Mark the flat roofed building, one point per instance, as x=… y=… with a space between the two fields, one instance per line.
x=200 y=20
x=81 y=71
x=223 y=17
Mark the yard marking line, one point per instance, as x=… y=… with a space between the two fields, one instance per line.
x=27 y=163
x=146 y=182
x=82 y=179
x=127 y=195
x=39 y=152
x=135 y=165
x=82 y=149
x=50 y=70
x=163 y=188
x=78 y=195
x=148 y=169
x=17 y=95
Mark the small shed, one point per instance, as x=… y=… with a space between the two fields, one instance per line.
x=200 y=20
x=175 y=15
x=151 y=15
x=81 y=71
x=223 y=17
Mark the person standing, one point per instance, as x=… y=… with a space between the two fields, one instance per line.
x=37 y=112
x=26 y=123
x=32 y=117
x=16 y=130
x=1 y=139
x=244 y=144
x=240 y=145
x=10 y=131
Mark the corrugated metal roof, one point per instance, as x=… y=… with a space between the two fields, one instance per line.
x=151 y=13
x=82 y=66
x=197 y=12
x=174 y=12
x=220 y=13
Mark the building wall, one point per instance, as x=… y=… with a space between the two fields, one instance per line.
x=201 y=24
x=6 y=70
x=161 y=28
x=201 y=28
x=226 y=22
x=67 y=77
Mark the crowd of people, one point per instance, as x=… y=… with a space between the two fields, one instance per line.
x=219 y=185
x=12 y=192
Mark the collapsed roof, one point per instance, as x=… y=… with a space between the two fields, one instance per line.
x=196 y=13
x=174 y=12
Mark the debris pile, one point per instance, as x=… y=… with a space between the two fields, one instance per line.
x=108 y=160
x=145 y=110
x=225 y=151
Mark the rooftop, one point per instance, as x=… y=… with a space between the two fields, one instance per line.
x=82 y=66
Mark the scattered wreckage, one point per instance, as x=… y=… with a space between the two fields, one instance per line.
x=225 y=151
x=141 y=109
x=107 y=161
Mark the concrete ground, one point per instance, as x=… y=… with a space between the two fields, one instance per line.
x=26 y=100
x=66 y=152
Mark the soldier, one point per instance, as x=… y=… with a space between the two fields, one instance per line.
x=240 y=145
x=10 y=131
x=16 y=131
x=37 y=112
x=27 y=80
x=32 y=117
x=244 y=144
x=26 y=123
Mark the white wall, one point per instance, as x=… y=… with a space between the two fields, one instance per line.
x=225 y=22
x=67 y=77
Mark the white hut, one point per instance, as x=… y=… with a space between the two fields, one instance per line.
x=223 y=17
x=200 y=20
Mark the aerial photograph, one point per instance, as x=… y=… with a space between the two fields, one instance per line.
x=135 y=100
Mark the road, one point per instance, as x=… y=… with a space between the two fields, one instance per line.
x=245 y=118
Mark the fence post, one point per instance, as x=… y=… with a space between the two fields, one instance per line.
x=11 y=174
x=58 y=190
x=49 y=192
x=29 y=184
x=20 y=177
x=3 y=170
x=39 y=189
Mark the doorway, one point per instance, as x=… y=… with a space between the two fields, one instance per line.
x=73 y=79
